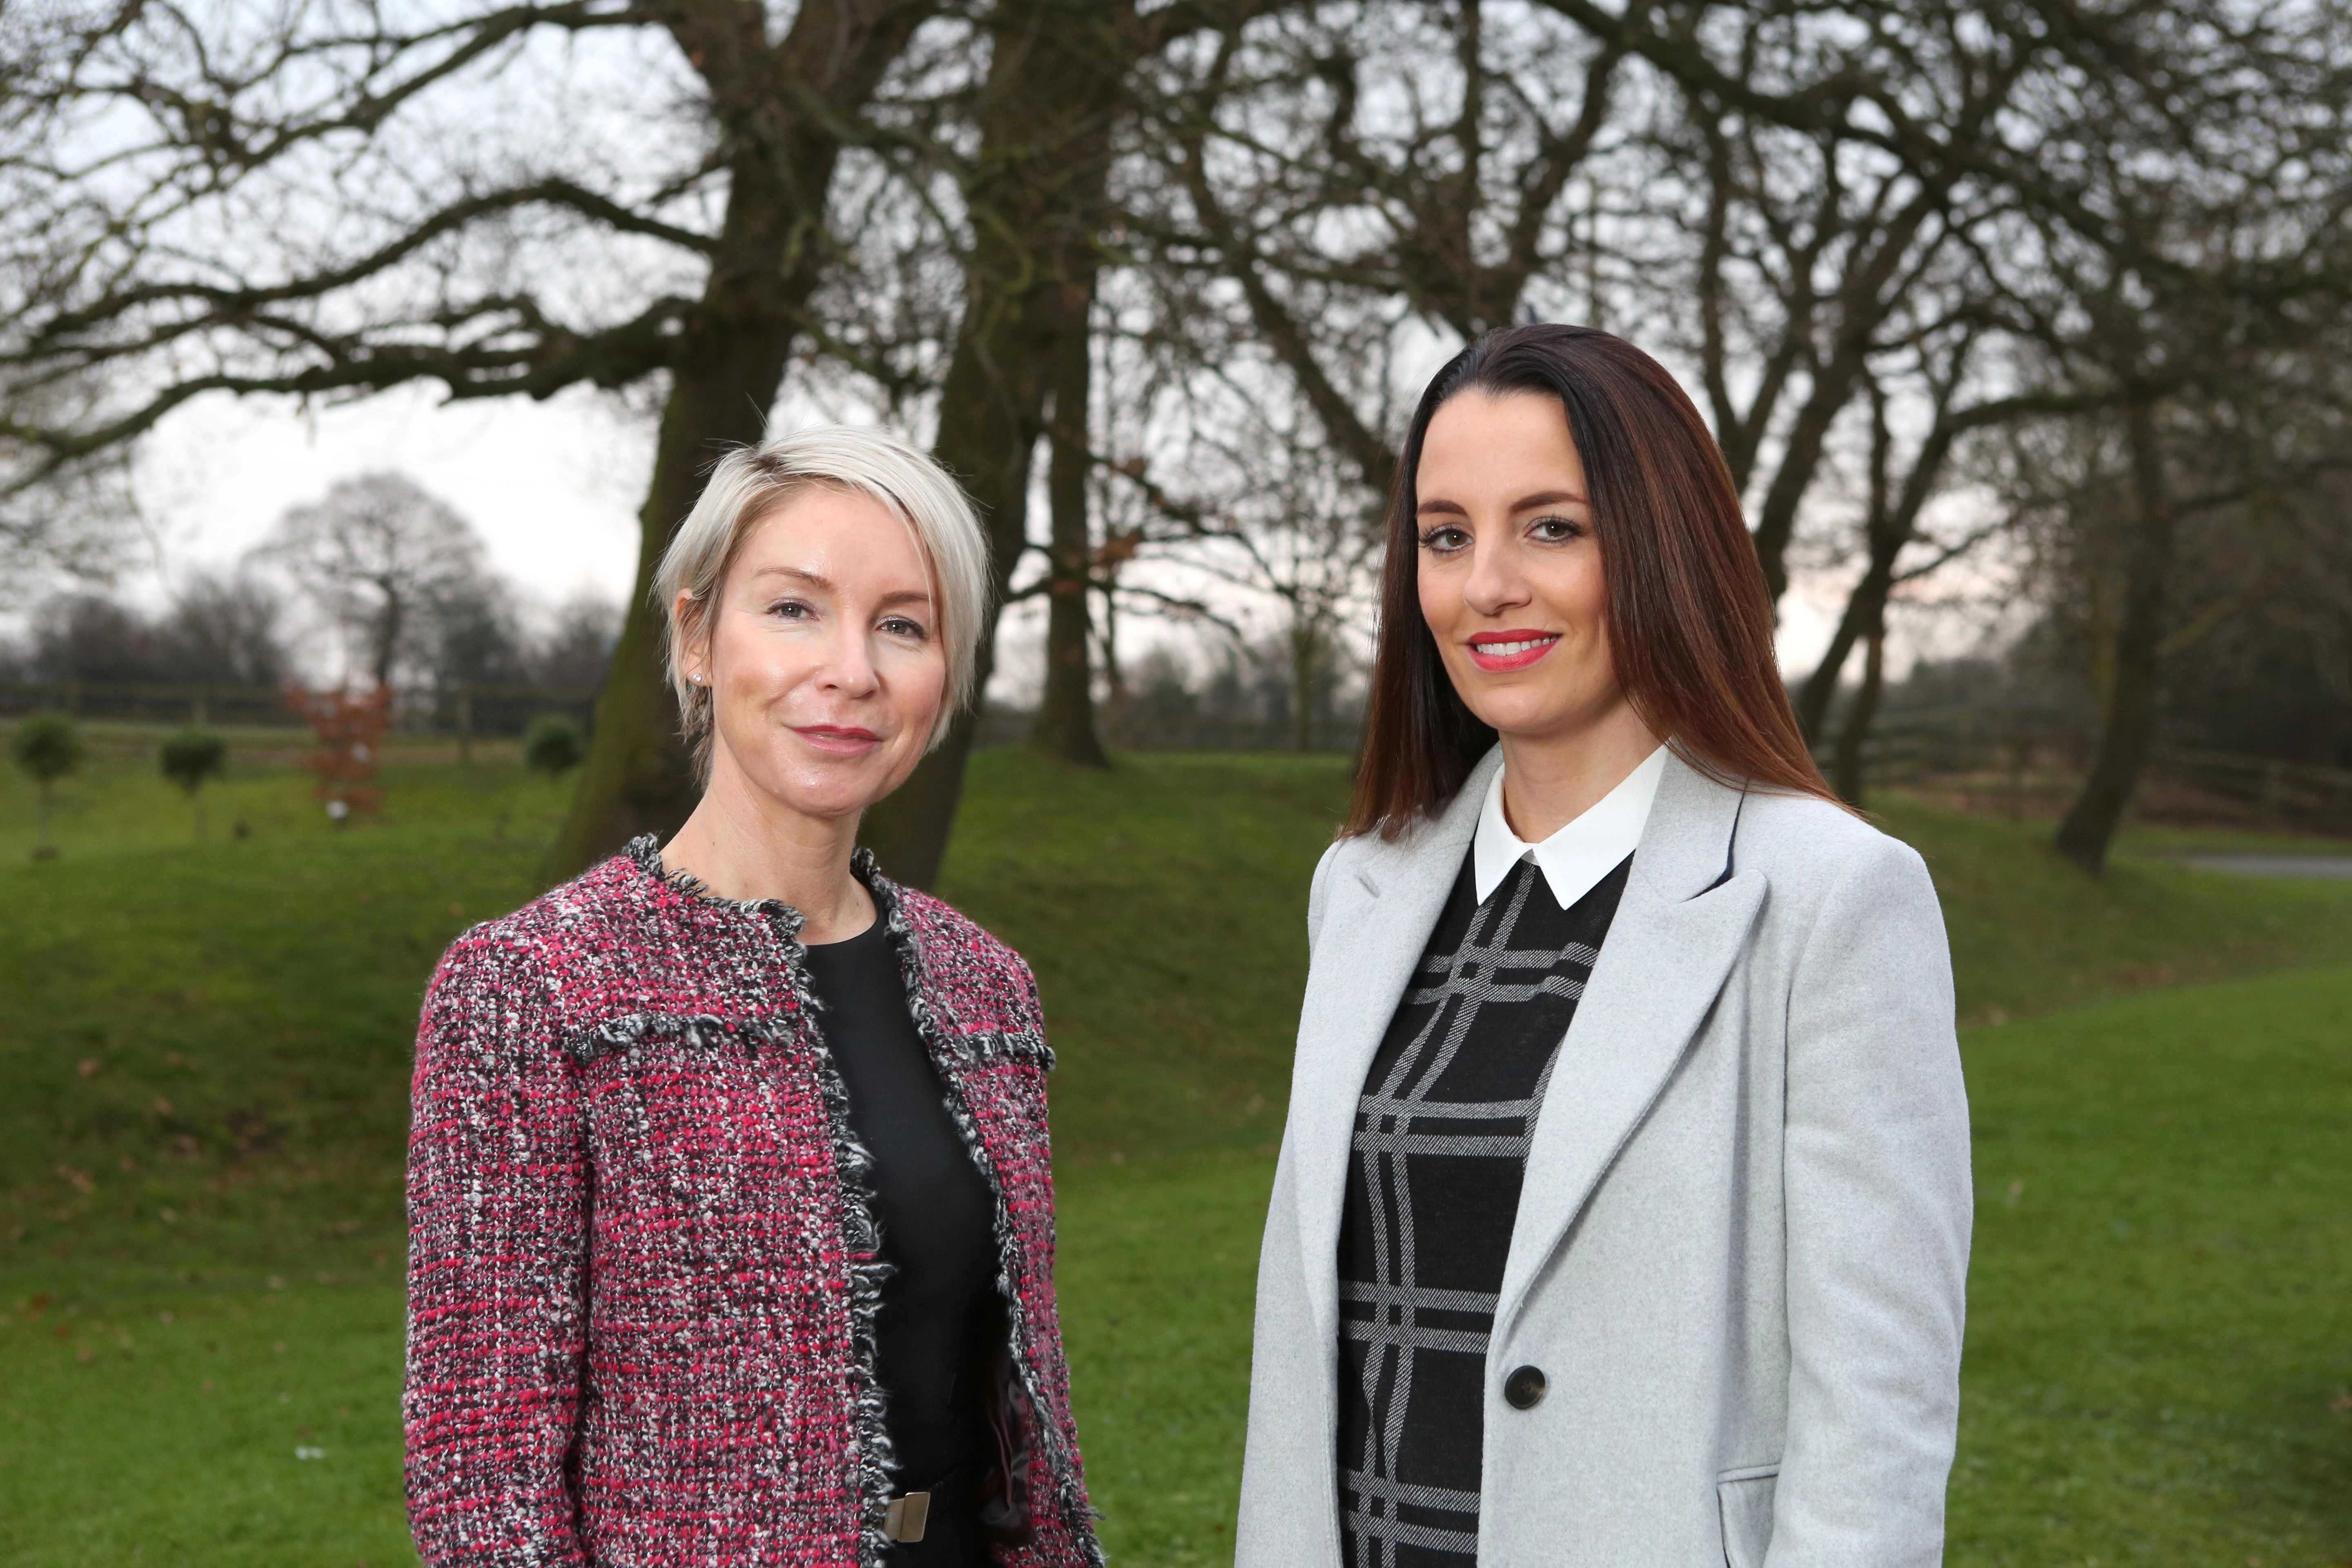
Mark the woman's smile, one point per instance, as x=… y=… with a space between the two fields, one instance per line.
x=841 y=739
x=1508 y=650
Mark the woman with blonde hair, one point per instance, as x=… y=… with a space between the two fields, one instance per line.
x=1622 y=1214
x=731 y=1219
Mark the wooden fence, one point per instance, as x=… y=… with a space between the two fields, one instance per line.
x=2025 y=765
x=464 y=711
x=2019 y=761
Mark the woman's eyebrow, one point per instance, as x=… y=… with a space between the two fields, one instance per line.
x=1551 y=498
x=1451 y=508
x=813 y=579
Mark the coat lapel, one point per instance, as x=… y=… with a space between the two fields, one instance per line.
x=1681 y=922
x=1372 y=942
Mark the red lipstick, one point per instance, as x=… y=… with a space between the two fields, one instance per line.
x=1508 y=650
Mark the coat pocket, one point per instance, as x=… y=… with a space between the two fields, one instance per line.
x=1745 y=1498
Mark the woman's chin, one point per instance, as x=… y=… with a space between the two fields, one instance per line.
x=1526 y=720
x=833 y=787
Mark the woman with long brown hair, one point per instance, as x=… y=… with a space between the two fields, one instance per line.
x=1622 y=1214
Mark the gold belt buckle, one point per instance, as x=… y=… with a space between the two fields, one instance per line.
x=910 y=1512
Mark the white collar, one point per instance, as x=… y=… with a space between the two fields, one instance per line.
x=1579 y=854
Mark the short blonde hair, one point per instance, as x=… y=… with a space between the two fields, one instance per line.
x=750 y=484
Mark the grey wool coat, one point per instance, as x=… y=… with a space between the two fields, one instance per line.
x=1741 y=1249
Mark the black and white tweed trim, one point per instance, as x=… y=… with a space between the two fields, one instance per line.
x=950 y=1053
x=877 y=1462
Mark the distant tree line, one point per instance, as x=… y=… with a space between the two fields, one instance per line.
x=2060 y=289
x=219 y=630
x=378 y=584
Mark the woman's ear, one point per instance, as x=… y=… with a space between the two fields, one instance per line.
x=693 y=637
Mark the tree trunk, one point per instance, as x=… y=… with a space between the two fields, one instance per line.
x=2128 y=732
x=1885 y=533
x=387 y=639
x=638 y=777
x=784 y=106
x=1864 y=609
x=1065 y=716
x=991 y=416
x=1056 y=73
x=1845 y=767
x=1303 y=647
x=1863 y=300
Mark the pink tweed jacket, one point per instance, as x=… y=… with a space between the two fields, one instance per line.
x=643 y=1270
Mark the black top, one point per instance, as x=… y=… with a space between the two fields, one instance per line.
x=940 y=1307
x=1441 y=1149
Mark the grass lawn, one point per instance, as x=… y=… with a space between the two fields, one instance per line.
x=204 y=1054
x=2159 y=1359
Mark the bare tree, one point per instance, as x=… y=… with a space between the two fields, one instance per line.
x=1059 y=85
x=388 y=563
x=227 y=628
x=503 y=198
x=1412 y=166
x=576 y=650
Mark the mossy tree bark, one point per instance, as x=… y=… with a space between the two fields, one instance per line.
x=782 y=108
x=1065 y=717
x=2129 y=723
x=1057 y=79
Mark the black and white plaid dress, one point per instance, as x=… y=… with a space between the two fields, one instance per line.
x=1441 y=1149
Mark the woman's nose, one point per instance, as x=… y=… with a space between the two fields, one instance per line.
x=849 y=664
x=1495 y=584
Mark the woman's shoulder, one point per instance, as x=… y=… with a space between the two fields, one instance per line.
x=1808 y=849
x=973 y=983
x=949 y=938
x=591 y=924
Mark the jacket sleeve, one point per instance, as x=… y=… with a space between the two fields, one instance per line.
x=1879 y=1208
x=498 y=1179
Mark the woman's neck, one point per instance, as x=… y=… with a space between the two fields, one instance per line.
x=742 y=844
x=1550 y=780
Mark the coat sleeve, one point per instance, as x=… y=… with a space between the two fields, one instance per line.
x=1879 y=1208
x=497 y=1181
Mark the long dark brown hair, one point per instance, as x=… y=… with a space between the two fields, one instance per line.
x=1690 y=622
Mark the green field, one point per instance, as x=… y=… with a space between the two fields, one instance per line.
x=204 y=1052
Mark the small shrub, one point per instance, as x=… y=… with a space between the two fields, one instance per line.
x=48 y=747
x=349 y=726
x=191 y=756
x=553 y=745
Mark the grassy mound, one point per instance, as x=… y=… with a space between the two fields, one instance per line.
x=204 y=1054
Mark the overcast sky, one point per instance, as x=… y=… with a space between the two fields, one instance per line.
x=553 y=487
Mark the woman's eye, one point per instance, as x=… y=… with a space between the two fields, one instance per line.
x=1556 y=530
x=791 y=609
x=1445 y=540
x=900 y=626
